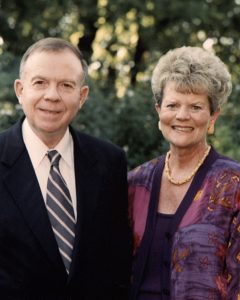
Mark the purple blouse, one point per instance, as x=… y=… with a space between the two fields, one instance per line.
x=152 y=286
x=204 y=234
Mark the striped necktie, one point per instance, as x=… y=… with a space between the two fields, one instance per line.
x=60 y=209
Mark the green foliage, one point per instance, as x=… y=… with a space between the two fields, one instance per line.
x=9 y=117
x=8 y=73
x=122 y=41
x=227 y=136
x=130 y=122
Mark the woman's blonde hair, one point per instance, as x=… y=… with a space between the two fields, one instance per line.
x=193 y=70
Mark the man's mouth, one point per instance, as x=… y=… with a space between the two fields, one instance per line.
x=51 y=112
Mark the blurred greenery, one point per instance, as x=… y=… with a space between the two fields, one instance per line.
x=122 y=41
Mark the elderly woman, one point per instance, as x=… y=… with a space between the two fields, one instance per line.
x=185 y=205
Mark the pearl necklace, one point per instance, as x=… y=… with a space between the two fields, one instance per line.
x=177 y=182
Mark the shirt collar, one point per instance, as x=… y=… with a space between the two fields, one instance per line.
x=65 y=148
x=37 y=149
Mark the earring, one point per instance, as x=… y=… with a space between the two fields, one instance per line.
x=159 y=125
x=211 y=129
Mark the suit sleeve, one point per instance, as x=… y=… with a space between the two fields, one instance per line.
x=121 y=232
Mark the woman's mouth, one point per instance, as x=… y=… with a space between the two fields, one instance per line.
x=183 y=128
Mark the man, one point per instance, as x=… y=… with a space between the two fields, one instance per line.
x=64 y=230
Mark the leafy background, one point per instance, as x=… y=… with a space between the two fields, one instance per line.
x=122 y=41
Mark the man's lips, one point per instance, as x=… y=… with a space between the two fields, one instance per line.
x=182 y=128
x=48 y=111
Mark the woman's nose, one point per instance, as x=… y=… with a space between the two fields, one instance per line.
x=182 y=113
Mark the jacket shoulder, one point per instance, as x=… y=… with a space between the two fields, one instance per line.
x=143 y=174
x=93 y=147
x=226 y=165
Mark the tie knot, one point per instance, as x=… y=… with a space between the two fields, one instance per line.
x=54 y=157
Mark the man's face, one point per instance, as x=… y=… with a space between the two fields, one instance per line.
x=51 y=93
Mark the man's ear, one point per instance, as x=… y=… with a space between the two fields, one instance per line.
x=83 y=95
x=18 y=88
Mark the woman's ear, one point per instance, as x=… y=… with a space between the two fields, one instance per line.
x=212 y=122
x=158 y=108
x=215 y=116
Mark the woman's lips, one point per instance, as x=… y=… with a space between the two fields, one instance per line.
x=182 y=128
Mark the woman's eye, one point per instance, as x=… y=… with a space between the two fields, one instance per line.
x=172 y=105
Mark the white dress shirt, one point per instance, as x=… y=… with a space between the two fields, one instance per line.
x=37 y=151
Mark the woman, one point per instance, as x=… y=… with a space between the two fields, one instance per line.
x=185 y=205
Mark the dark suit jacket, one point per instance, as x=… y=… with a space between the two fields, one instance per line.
x=30 y=263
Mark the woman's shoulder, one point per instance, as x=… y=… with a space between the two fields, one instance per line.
x=225 y=170
x=143 y=172
x=228 y=164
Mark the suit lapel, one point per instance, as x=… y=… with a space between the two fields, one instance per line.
x=88 y=182
x=23 y=186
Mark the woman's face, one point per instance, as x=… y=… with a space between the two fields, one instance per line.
x=184 y=118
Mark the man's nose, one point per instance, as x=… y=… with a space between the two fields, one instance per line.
x=52 y=93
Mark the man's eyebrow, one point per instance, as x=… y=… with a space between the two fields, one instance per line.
x=61 y=80
x=38 y=77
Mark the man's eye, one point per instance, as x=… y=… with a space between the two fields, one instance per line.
x=38 y=82
x=67 y=85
